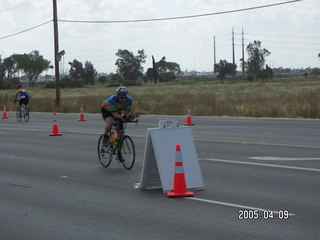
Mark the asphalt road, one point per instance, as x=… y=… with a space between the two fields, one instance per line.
x=55 y=188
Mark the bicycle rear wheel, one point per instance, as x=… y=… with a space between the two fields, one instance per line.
x=128 y=152
x=26 y=114
x=105 y=152
x=18 y=115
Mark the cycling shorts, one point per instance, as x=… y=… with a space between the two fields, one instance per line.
x=105 y=114
x=24 y=101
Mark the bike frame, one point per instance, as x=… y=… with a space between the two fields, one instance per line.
x=114 y=149
x=22 y=111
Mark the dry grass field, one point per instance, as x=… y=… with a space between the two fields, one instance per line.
x=289 y=98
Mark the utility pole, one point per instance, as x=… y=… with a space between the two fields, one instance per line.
x=233 y=57
x=214 y=50
x=56 y=53
x=243 y=75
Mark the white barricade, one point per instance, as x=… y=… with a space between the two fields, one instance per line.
x=159 y=157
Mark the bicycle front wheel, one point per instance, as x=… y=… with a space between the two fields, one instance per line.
x=128 y=152
x=104 y=152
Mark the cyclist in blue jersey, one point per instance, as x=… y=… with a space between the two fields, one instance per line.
x=117 y=107
x=22 y=96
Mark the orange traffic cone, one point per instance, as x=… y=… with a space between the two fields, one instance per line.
x=179 y=184
x=55 y=127
x=82 y=115
x=189 y=119
x=4 y=114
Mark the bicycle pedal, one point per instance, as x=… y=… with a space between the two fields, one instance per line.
x=120 y=158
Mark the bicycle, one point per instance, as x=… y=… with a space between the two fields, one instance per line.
x=108 y=147
x=23 y=112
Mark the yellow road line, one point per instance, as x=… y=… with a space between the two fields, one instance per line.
x=256 y=143
x=196 y=139
x=25 y=129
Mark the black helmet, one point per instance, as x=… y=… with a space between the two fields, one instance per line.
x=19 y=86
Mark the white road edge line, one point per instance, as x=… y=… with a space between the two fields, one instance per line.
x=235 y=205
x=271 y=158
x=261 y=164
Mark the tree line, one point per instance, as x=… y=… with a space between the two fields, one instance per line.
x=129 y=68
x=254 y=66
x=32 y=65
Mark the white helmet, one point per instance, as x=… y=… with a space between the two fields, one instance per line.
x=122 y=91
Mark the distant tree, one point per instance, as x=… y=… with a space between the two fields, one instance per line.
x=89 y=73
x=10 y=67
x=315 y=72
x=32 y=64
x=115 y=78
x=155 y=71
x=269 y=72
x=150 y=74
x=68 y=82
x=2 y=73
x=102 y=80
x=2 y=70
x=76 y=70
x=265 y=73
x=224 y=68
x=128 y=65
x=256 y=58
x=167 y=70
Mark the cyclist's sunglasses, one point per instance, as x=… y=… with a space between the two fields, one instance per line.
x=122 y=96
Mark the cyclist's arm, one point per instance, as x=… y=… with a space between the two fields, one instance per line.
x=128 y=115
x=116 y=115
x=16 y=97
x=127 y=111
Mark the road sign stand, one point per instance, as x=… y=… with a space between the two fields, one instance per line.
x=159 y=157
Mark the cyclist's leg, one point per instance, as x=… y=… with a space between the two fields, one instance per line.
x=23 y=104
x=20 y=103
x=109 y=120
x=26 y=110
x=109 y=124
x=119 y=137
x=26 y=103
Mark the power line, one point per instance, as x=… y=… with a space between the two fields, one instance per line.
x=286 y=41
x=183 y=17
x=284 y=36
x=156 y=19
x=26 y=30
x=9 y=9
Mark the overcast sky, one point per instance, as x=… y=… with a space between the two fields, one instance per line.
x=291 y=32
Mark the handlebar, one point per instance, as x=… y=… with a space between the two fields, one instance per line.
x=132 y=121
x=124 y=121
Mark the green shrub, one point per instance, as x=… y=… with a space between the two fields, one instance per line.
x=68 y=82
x=50 y=85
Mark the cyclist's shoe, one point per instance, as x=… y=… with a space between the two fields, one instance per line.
x=105 y=141
x=120 y=158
